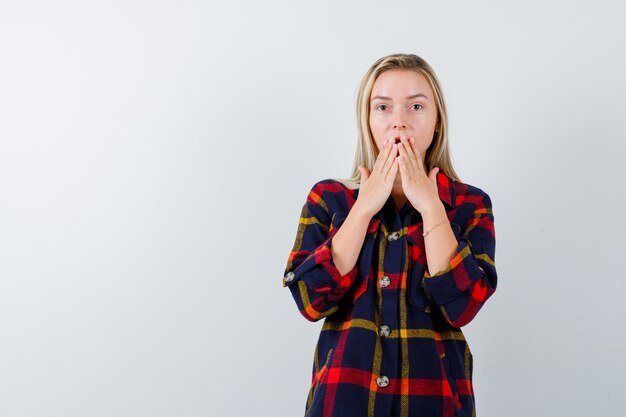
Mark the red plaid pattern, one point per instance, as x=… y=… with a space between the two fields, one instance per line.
x=391 y=343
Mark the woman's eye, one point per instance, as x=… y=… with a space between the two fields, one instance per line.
x=381 y=105
x=417 y=105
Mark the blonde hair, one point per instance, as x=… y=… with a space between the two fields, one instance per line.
x=437 y=154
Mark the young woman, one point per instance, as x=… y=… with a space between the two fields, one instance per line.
x=396 y=259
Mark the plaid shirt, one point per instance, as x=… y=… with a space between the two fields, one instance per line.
x=391 y=343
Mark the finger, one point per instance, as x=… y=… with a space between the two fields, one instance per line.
x=382 y=157
x=377 y=162
x=412 y=149
x=364 y=173
x=393 y=152
x=408 y=156
x=418 y=156
x=391 y=174
x=433 y=175
x=413 y=152
x=405 y=172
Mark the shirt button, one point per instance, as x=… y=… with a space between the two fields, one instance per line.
x=384 y=331
x=382 y=381
x=289 y=276
x=384 y=281
x=392 y=236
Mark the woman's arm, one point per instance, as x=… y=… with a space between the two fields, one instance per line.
x=440 y=242
x=317 y=275
x=348 y=241
x=462 y=286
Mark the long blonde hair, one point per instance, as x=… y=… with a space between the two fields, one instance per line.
x=437 y=154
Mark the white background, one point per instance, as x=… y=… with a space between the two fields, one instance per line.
x=155 y=156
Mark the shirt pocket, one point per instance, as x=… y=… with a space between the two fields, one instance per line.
x=451 y=379
x=416 y=296
x=368 y=251
x=320 y=378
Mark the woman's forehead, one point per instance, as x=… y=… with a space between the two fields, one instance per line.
x=401 y=83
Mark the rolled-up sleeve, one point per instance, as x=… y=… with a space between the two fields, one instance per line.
x=315 y=282
x=462 y=288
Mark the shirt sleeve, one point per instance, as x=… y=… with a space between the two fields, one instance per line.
x=315 y=282
x=470 y=278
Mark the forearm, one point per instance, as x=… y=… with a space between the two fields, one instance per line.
x=347 y=242
x=440 y=243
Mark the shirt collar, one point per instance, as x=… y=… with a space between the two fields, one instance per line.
x=446 y=189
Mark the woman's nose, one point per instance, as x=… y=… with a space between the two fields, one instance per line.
x=399 y=125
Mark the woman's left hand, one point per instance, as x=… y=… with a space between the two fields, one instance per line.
x=420 y=188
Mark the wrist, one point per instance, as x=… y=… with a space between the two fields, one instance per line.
x=434 y=211
x=358 y=211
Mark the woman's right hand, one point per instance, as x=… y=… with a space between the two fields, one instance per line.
x=376 y=186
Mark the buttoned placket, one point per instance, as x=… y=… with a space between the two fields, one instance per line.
x=395 y=223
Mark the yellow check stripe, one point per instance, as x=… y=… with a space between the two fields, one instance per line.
x=407 y=333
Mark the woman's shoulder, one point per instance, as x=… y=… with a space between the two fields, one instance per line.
x=467 y=193
x=333 y=194
x=467 y=188
x=330 y=185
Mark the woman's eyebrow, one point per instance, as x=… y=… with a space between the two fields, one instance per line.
x=408 y=98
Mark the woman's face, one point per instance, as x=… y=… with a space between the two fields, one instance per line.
x=402 y=104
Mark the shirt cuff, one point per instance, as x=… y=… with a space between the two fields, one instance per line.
x=319 y=271
x=459 y=274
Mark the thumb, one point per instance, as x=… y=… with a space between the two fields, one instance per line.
x=433 y=174
x=364 y=173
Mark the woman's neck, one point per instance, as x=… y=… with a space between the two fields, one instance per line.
x=398 y=195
